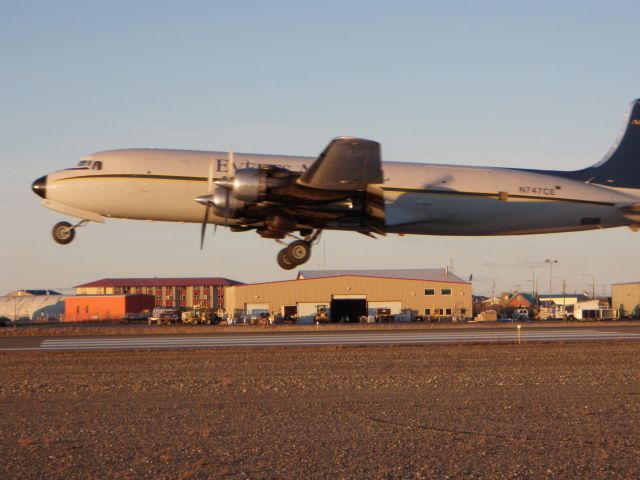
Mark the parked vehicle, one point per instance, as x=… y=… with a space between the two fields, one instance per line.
x=521 y=314
x=322 y=314
x=383 y=315
x=164 y=315
x=199 y=315
x=135 y=317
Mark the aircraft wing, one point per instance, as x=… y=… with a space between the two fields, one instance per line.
x=347 y=164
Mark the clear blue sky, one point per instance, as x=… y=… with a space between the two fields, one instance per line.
x=515 y=84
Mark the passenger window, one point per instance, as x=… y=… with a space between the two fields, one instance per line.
x=97 y=165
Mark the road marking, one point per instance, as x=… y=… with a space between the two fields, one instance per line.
x=320 y=339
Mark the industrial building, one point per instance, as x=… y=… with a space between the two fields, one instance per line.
x=168 y=292
x=625 y=298
x=350 y=294
x=32 y=305
x=83 y=308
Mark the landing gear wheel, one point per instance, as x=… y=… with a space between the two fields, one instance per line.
x=63 y=233
x=284 y=261
x=299 y=252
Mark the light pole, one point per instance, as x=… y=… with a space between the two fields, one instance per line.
x=550 y=262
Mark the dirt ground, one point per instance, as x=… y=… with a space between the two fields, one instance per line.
x=485 y=411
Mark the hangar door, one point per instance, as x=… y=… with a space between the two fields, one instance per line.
x=256 y=308
x=348 y=308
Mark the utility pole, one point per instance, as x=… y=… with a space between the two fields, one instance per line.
x=593 y=284
x=550 y=262
x=564 y=292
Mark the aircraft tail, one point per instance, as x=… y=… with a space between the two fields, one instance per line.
x=621 y=165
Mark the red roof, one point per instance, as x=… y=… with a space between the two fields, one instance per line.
x=161 y=282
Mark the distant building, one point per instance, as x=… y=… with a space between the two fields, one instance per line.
x=167 y=292
x=625 y=298
x=31 y=293
x=564 y=299
x=521 y=300
x=32 y=305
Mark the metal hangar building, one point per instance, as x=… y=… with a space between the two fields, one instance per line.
x=349 y=294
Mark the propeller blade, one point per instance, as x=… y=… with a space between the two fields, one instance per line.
x=230 y=163
x=210 y=178
x=204 y=226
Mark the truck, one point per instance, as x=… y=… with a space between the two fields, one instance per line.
x=164 y=316
x=383 y=315
x=322 y=314
x=521 y=314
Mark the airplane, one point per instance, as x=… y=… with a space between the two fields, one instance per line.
x=347 y=187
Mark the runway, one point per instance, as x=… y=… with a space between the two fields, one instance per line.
x=314 y=339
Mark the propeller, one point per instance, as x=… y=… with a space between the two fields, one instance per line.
x=227 y=184
x=207 y=199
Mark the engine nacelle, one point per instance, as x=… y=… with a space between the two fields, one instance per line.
x=251 y=184
x=224 y=203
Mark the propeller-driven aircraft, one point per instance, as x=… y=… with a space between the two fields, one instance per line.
x=347 y=187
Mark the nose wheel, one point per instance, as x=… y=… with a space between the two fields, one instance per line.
x=64 y=233
x=297 y=252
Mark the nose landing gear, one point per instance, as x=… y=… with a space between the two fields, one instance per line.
x=64 y=233
x=297 y=252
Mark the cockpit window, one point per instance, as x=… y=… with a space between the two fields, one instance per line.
x=89 y=164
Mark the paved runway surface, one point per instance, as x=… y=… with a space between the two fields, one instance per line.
x=135 y=342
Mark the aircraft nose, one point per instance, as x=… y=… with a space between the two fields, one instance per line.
x=39 y=187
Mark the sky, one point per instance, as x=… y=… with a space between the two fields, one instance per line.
x=513 y=84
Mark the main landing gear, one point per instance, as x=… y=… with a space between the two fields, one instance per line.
x=64 y=233
x=297 y=252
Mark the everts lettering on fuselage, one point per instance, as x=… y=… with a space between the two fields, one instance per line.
x=347 y=187
x=222 y=165
x=537 y=190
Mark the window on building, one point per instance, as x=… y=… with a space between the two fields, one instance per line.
x=447 y=311
x=437 y=312
x=427 y=311
x=445 y=291
x=463 y=311
x=429 y=291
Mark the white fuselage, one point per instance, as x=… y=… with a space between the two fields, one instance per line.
x=161 y=185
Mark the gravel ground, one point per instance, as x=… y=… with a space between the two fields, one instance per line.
x=497 y=411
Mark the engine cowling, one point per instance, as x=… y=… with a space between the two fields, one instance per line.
x=224 y=203
x=252 y=184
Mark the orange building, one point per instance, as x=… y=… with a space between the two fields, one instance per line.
x=84 y=308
